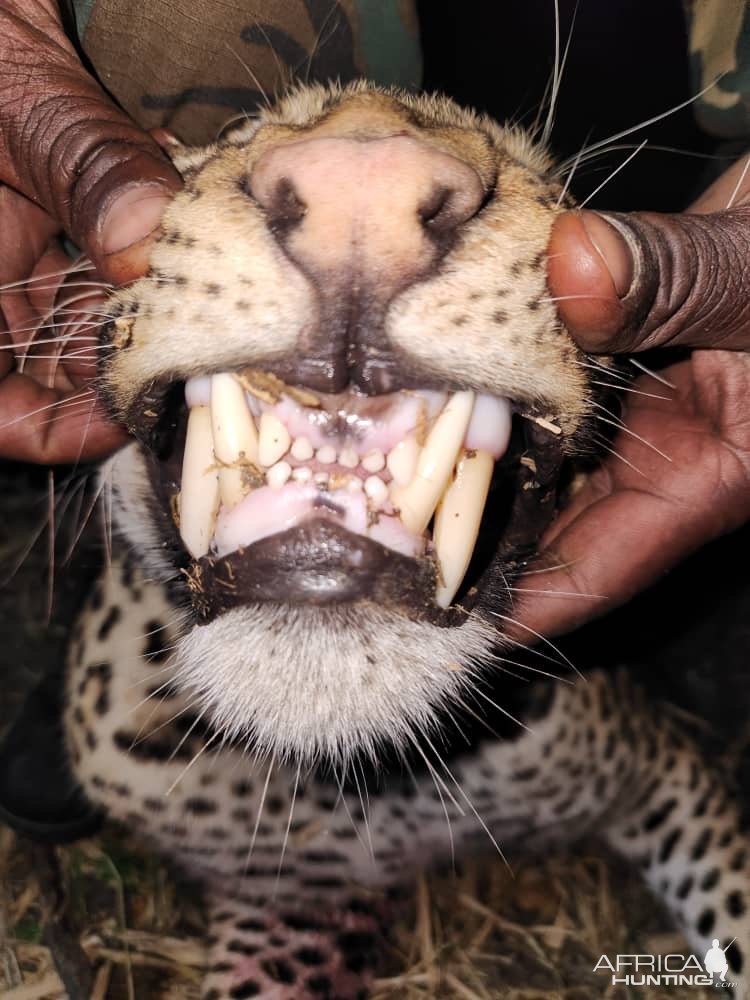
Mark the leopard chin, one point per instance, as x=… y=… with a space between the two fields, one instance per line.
x=355 y=407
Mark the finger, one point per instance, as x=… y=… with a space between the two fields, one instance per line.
x=67 y=147
x=41 y=425
x=633 y=282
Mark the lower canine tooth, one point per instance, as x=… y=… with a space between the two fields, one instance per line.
x=417 y=501
x=199 y=500
x=274 y=440
x=235 y=436
x=457 y=521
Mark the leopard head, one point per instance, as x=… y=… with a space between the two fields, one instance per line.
x=353 y=399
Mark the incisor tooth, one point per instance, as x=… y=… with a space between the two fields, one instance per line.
x=349 y=458
x=199 y=500
x=326 y=454
x=457 y=521
x=278 y=475
x=417 y=501
x=235 y=436
x=402 y=460
x=374 y=460
x=302 y=450
x=376 y=490
x=274 y=440
x=302 y=474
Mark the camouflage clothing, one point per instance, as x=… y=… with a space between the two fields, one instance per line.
x=192 y=65
x=720 y=48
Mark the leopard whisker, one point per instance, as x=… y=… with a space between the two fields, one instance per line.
x=637 y=392
x=503 y=711
x=441 y=763
x=612 y=174
x=557 y=593
x=261 y=804
x=653 y=374
x=643 y=124
x=631 y=433
x=537 y=635
x=285 y=842
x=195 y=757
x=739 y=184
x=616 y=454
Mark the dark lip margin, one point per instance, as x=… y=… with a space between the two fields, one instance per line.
x=317 y=563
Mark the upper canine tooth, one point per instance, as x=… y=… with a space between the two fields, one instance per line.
x=235 y=435
x=457 y=521
x=402 y=460
x=490 y=426
x=274 y=440
x=417 y=500
x=199 y=500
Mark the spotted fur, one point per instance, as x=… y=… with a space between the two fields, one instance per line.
x=301 y=872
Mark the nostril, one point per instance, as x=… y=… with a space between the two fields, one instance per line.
x=284 y=207
x=435 y=212
x=445 y=209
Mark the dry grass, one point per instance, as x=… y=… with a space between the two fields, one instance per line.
x=108 y=921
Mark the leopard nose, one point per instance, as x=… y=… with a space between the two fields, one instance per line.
x=386 y=207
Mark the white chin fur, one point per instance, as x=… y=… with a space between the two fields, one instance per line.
x=300 y=682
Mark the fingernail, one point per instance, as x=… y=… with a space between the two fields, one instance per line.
x=610 y=242
x=136 y=213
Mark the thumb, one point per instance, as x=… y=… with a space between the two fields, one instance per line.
x=642 y=280
x=66 y=146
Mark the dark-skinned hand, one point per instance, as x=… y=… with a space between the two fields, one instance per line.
x=70 y=162
x=638 y=282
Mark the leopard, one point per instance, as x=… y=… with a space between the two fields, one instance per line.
x=355 y=410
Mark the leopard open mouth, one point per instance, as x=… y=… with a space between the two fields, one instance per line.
x=285 y=495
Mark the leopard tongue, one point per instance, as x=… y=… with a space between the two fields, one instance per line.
x=449 y=476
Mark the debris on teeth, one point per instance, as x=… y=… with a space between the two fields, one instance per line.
x=374 y=460
x=199 y=500
x=302 y=450
x=326 y=455
x=457 y=521
x=235 y=436
x=349 y=458
x=303 y=474
x=402 y=461
x=274 y=440
x=417 y=501
x=321 y=479
x=278 y=475
x=376 y=490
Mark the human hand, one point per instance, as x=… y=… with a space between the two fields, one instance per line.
x=681 y=475
x=69 y=161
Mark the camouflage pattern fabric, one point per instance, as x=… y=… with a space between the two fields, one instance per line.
x=194 y=65
x=720 y=48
